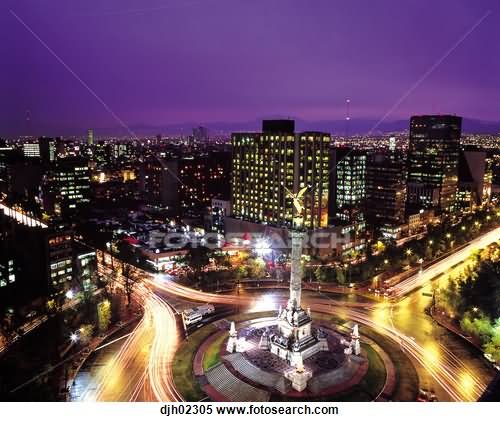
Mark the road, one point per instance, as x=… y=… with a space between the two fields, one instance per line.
x=141 y=369
x=425 y=276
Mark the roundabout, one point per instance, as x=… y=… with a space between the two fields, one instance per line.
x=210 y=372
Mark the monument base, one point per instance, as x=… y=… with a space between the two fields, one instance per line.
x=299 y=379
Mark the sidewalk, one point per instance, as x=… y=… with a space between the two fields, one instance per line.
x=445 y=322
x=82 y=355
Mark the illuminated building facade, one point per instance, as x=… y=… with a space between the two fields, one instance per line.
x=70 y=186
x=268 y=166
x=433 y=162
x=187 y=184
x=385 y=190
x=347 y=186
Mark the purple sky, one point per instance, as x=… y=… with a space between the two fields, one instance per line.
x=163 y=62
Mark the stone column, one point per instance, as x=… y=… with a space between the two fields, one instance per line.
x=296 y=270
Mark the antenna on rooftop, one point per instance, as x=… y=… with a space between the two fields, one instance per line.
x=347 y=116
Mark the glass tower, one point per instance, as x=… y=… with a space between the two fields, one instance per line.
x=433 y=162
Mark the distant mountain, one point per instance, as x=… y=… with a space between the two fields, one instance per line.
x=337 y=127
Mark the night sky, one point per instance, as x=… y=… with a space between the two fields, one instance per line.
x=162 y=62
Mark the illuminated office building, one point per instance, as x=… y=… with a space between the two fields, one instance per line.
x=269 y=165
x=347 y=186
x=433 y=163
x=385 y=190
x=70 y=186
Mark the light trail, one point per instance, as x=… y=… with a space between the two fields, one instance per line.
x=142 y=368
x=424 y=277
x=157 y=337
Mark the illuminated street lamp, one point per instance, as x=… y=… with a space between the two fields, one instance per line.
x=69 y=294
x=386 y=261
x=448 y=235
x=409 y=252
x=463 y=228
x=73 y=337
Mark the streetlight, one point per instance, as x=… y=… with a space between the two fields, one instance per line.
x=69 y=294
x=409 y=252
x=448 y=235
x=73 y=337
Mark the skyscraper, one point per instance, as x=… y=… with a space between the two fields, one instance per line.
x=433 y=163
x=90 y=137
x=268 y=167
x=472 y=175
x=385 y=190
x=200 y=134
x=347 y=186
x=31 y=149
x=47 y=149
x=68 y=187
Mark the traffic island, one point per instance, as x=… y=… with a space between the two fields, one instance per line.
x=203 y=367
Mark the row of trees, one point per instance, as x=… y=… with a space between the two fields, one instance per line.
x=386 y=256
x=474 y=299
x=208 y=268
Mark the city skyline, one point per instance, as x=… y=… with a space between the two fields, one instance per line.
x=283 y=203
x=243 y=62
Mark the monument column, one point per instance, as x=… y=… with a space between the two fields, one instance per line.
x=296 y=269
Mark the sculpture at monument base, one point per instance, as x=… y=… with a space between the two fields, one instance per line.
x=299 y=376
x=232 y=342
x=294 y=338
x=353 y=345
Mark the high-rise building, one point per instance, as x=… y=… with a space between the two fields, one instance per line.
x=69 y=187
x=385 y=190
x=20 y=178
x=47 y=148
x=31 y=149
x=200 y=134
x=40 y=260
x=90 y=137
x=472 y=177
x=271 y=166
x=187 y=184
x=433 y=163
x=347 y=186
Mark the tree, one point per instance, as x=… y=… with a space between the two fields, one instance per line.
x=340 y=275
x=126 y=256
x=103 y=315
x=240 y=272
x=256 y=268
